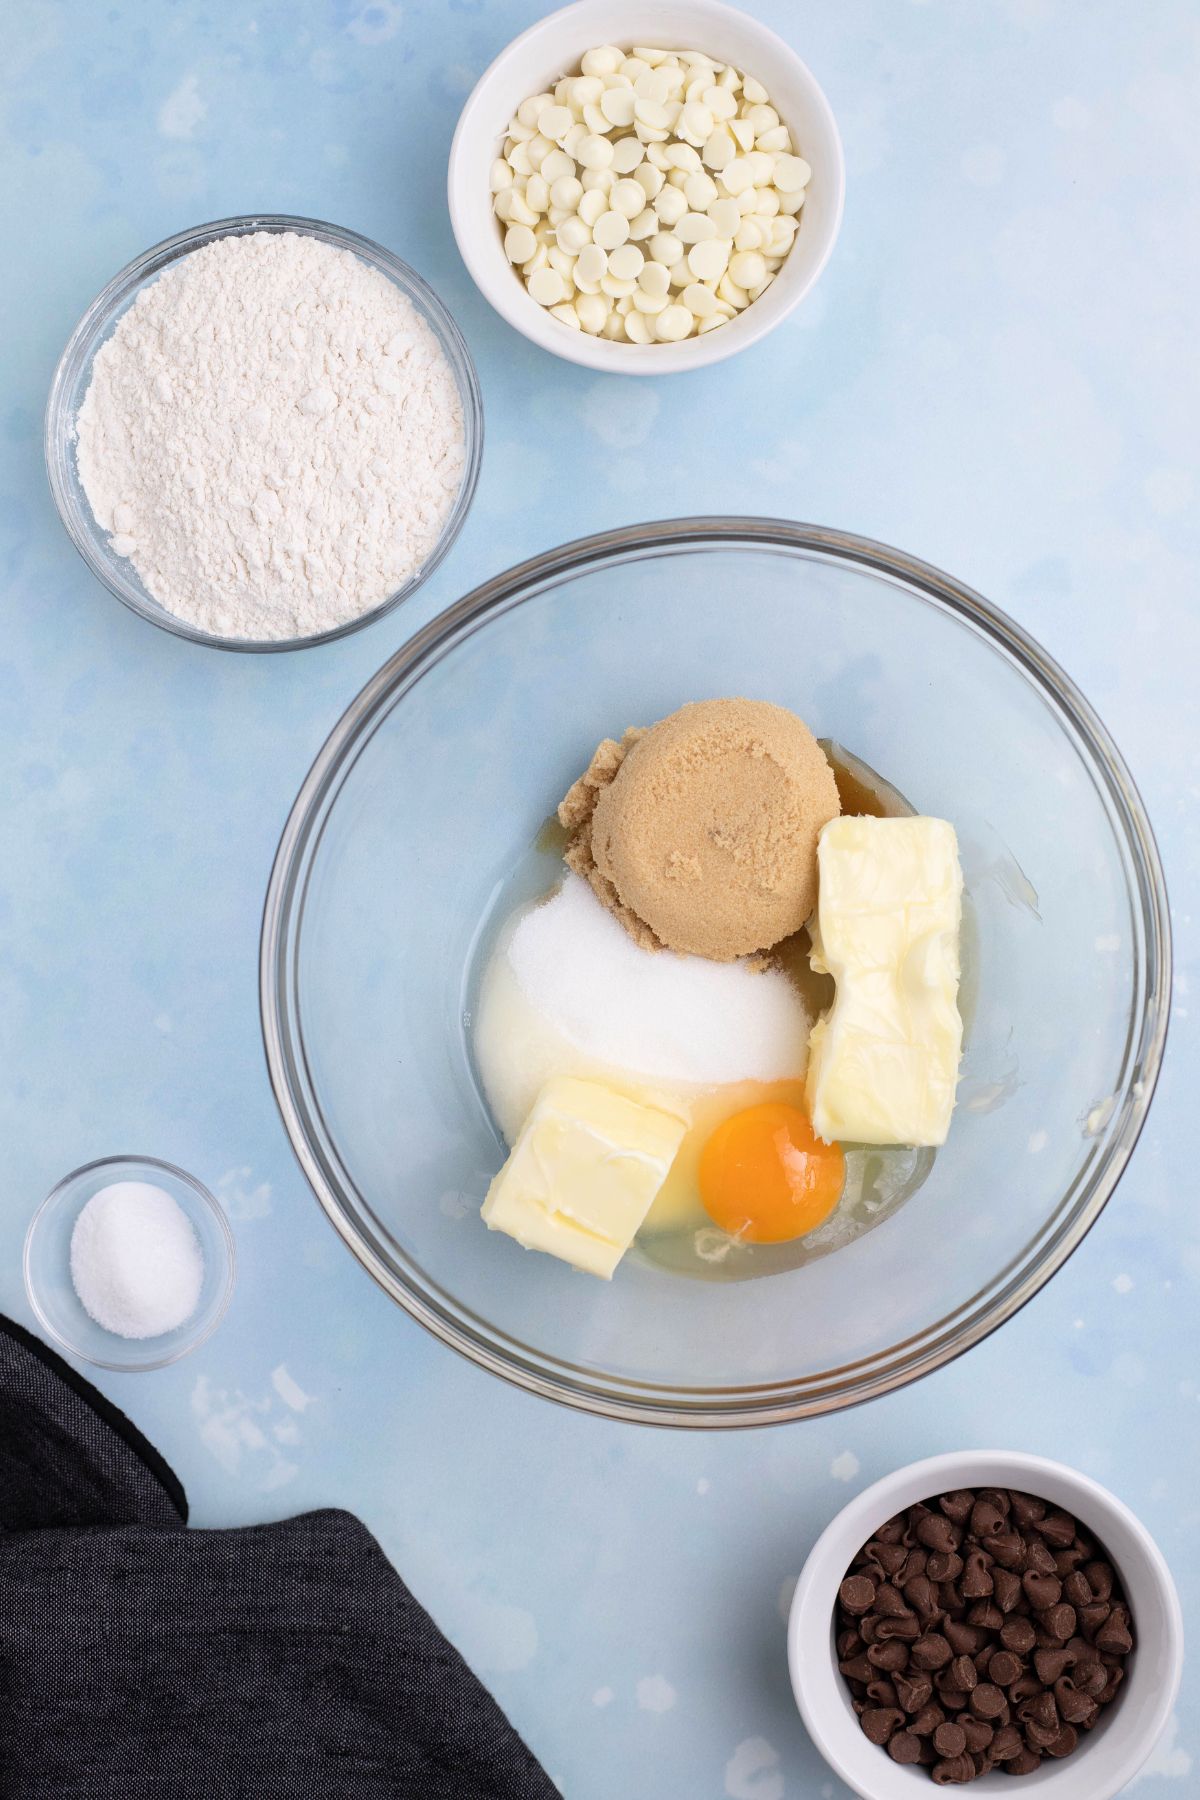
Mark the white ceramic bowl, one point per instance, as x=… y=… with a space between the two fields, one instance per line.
x=1107 y=1757
x=551 y=49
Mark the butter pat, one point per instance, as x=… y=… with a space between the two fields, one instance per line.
x=583 y=1173
x=883 y=1063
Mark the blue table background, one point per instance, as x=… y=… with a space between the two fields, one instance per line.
x=998 y=372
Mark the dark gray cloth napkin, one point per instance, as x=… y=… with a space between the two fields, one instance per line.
x=143 y=1661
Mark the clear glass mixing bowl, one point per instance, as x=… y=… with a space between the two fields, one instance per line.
x=73 y=376
x=434 y=785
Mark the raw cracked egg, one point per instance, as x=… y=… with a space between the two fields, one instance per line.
x=765 y=1177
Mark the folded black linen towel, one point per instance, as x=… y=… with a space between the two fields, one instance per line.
x=143 y=1661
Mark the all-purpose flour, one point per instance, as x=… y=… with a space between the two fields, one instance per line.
x=272 y=436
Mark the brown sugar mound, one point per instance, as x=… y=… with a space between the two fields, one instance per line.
x=700 y=834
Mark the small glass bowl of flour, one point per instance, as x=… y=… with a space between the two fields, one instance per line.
x=129 y=1263
x=264 y=433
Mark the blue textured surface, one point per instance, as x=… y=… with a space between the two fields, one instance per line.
x=997 y=372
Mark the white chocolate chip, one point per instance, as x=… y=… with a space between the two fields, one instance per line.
x=616 y=103
x=531 y=110
x=673 y=324
x=546 y=286
x=566 y=193
x=610 y=229
x=650 y=303
x=628 y=197
x=683 y=156
x=699 y=190
x=573 y=235
x=555 y=122
x=709 y=260
x=557 y=166
x=594 y=152
x=747 y=268
x=699 y=299
x=652 y=113
x=720 y=102
x=592 y=310
x=666 y=248
x=519 y=243
x=695 y=123
x=791 y=174
x=519 y=210
x=601 y=62
x=626 y=262
x=670 y=205
x=719 y=151
x=695 y=228
x=592 y=263
x=725 y=216
x=654 y=279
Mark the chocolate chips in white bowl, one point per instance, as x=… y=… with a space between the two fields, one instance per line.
x=984 y=1629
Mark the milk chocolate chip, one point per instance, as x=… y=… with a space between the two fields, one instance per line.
x=953 y=1771
x=1004 y=1668
x=856 y=1594
x=1018 y=1635
x=904 y=1747
x=880 y=1722
x=949 y=1739
x=930 y=1652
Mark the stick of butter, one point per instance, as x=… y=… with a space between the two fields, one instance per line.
x=583 y=1173
x=883 y=1062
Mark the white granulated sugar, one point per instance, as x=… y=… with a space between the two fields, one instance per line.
x=136 y=1262
x=678 y=1018
x=272 y=436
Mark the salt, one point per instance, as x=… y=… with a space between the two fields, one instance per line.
x=136 y=1261
x=677 y=1018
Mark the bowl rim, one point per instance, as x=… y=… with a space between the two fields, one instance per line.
x=527 y=317
x=744 y=1405
x=208 y=1202
x=810 y=1615
x=92 y=330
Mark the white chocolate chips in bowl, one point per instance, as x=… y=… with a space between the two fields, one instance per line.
x=649 y=197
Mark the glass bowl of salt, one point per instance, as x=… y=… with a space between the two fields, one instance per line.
x=129 y=1263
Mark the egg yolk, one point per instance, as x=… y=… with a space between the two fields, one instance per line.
x=766 y=1177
